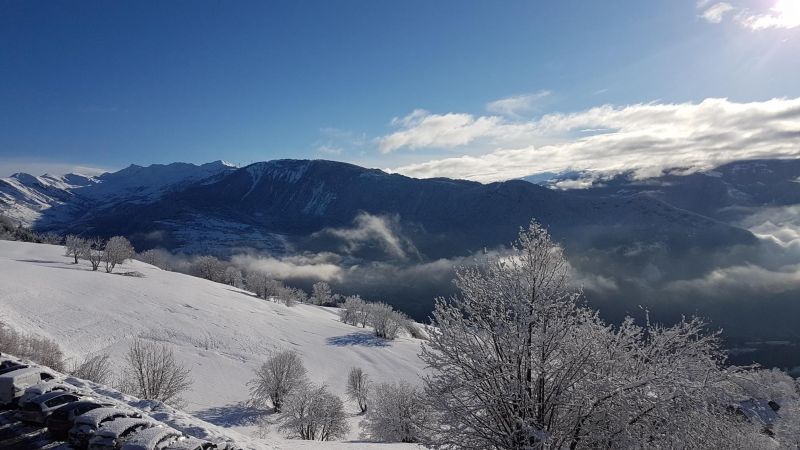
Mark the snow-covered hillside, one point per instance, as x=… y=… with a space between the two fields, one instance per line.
x=220 y=332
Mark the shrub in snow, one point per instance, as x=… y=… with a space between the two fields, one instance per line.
x=38 y=349
x=385 y=320
x=95 y=368
x=151 y=372
x=117 y=251
x=233 y=277
x=353 y=311
x=313 y=413
x=208 y=267
x=517 y=361
x=291 y=296
x=321 y=293
x=93 y=252
x=74 y=246
x=278 y=377
x=262 y=285
x=156 y=257
x=358 y=387
x=397 y=413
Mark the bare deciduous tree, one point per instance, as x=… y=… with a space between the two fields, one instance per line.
x=385 y=320
x=321 y=293
x=352 y=311
x=233 y=277
x=397 y=413
x=117 y=250
x=75 y=246
x=518 y=362
x=313 y=413
x=358 y=387
x=208 y=267
x=156 y=257
x=281 y=374
x=38 y=349
x=93 y=252
x=95 y=368
x=152 y=372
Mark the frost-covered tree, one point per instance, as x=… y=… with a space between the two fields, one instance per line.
x=278 y=377
x=262 y=285
x=152 y=372
x=321 y=293
x=397 y=413
x=351 y=311
x=117 y=250
x=358 y=387
x=291 y=296
x=313 y=413
x=233 y=277
x=75 y=246
x=208 y=267
x=95 y=368
x=385 y=320
x=93 y=252
x=517 y=361
x=156 y=257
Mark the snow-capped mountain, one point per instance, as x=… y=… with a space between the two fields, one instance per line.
x=50 y=201
x=276 y=205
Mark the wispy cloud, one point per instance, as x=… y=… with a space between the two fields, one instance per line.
x=784 y=14
x=717 y=11
x=647 y=138
x=517 y=105
x=335 y=142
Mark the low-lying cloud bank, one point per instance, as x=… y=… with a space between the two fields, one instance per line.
x=648 y=138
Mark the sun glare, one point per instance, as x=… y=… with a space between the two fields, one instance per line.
x=788 y=12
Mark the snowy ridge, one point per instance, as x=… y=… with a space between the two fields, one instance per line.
x=286 y=170
x=27 y=198
x=222 y=334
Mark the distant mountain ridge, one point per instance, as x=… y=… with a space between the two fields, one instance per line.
x=276 y=205
x=34 y=200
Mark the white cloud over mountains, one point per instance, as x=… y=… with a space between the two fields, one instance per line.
x=648 y=138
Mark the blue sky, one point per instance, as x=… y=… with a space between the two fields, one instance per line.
x=106 y=84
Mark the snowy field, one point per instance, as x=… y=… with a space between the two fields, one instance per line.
x=221 y=333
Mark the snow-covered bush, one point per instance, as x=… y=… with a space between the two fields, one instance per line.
x=233 y=277
x=385 y=320
x=93 y=252
x=321 y=293
x=291 y=296
x=278 y=377
x=208 y=267
x=95 y=368
x=313 y=413
x=261 y=284
x=358 y=387
x=40 y=350
x=75 y=246
x=117 y=250
x=397 y=413
x=353 y=311
x=151 y=372
x=156 y=257
x=517 y=361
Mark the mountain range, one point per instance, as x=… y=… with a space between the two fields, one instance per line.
x=717 y=243
x=277 y=205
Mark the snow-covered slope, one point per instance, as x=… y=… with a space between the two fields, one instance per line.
x=220 y=332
